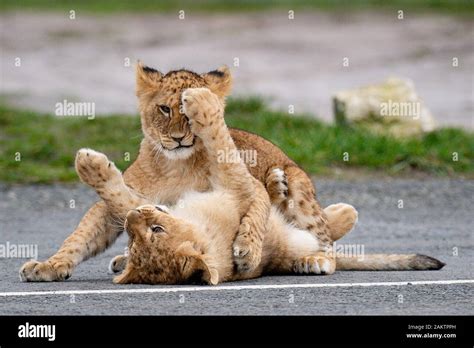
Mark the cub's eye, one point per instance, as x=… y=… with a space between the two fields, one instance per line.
x=165 y=110
x=157 y=228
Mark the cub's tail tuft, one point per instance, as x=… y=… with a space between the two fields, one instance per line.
x=388 y=262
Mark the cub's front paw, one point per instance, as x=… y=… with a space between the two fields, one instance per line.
x=118 y=263
x=35 y=271
x=95 y=169
x=202 y=107
x=247 y=253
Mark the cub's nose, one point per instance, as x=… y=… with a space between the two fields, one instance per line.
x=133 y=215
x=177 y=139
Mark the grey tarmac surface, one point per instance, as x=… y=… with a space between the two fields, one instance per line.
x=436 y=219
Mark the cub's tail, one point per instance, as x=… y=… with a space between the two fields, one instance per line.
x=388 y=262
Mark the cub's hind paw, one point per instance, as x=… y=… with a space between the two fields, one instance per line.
x=341 y=218
x=315 y=265
x=277 y=186
x=95 y=169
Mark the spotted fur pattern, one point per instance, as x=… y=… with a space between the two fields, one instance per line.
x=172 y=161
x=194 y=242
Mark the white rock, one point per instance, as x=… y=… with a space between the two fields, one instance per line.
x=392 y=106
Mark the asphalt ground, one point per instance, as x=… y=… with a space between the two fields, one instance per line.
x=436 y=219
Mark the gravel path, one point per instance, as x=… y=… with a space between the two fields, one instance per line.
x=436 y=219
x=293 y=62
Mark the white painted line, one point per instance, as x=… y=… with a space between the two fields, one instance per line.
x=230 y=288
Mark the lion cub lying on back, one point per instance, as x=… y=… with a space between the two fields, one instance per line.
x=193 y=240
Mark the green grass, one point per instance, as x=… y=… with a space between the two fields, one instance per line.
x=146 y=6
x=47 y=144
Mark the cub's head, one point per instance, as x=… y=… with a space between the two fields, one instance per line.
x=164 y=250
x=159 y=98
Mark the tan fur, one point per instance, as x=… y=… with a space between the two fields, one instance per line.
x=193 y=241
x=341 y=219
x=171 y=162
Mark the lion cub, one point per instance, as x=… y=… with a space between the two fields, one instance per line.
x=192 y=241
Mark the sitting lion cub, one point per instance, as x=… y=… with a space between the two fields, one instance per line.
x=192 y=241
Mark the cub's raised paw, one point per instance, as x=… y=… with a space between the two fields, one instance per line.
x=247 y=253
x=202 y=107
x=315 y=265
x=118 y=263
x=95 y=169
x=35 y=271
x=277 y=186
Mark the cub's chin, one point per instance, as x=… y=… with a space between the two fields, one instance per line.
x=181 y=153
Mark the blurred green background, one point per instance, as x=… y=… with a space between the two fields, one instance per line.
x=47 y=144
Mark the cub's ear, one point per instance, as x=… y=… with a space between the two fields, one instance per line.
x=219 y=81
x=210 y=275
x=192 y=262
x=147 y=79
x=127 y=277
